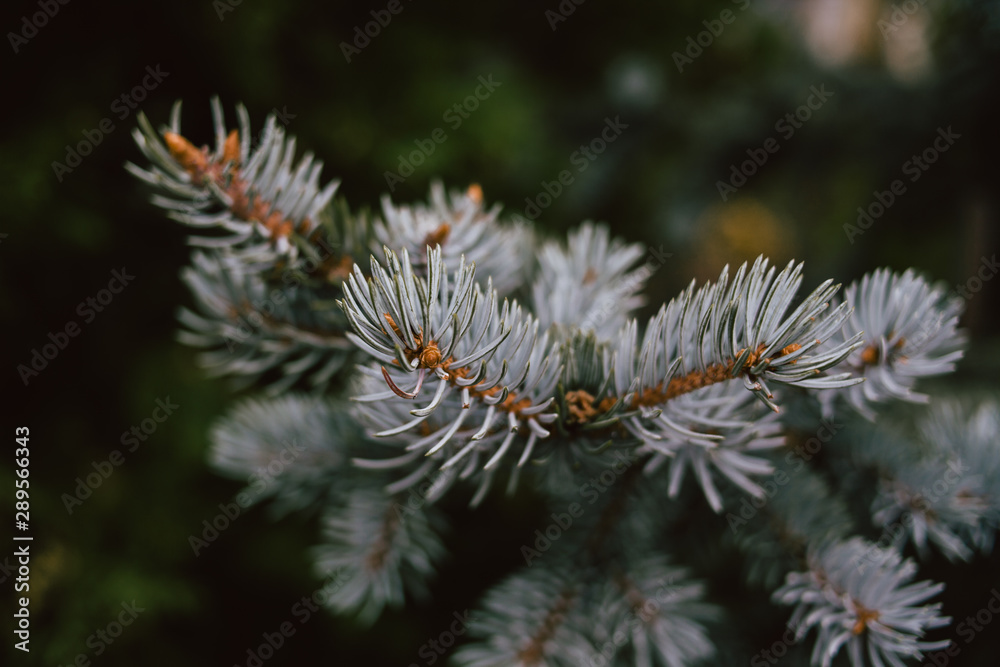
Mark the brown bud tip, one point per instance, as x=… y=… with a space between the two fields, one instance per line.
x=231 y=149
x=439 y=236
x=475 y=193
x=430 y=356
x=278 y=225
x=182 y=150
x=870 y=355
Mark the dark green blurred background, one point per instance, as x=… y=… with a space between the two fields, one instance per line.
x=893 y=87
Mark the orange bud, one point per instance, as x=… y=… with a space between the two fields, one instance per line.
x=870 y=355
x=475 y=193
x=439 y=236
x=231 y=149
x=430 y=356
x=190 y=158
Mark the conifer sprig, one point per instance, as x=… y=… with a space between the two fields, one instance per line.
x=257 y=196
x=737 y=329
x=587 y=284
x=938 y=480
x=684 y=383
x=491 y=367
x=874 y=611
x=258 y=332
x=377 y=552
x=910 y=331
x=465 y=230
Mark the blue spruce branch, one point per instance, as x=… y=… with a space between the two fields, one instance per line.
x=421 y=374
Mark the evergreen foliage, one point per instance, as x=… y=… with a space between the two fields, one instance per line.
x=438 y=348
